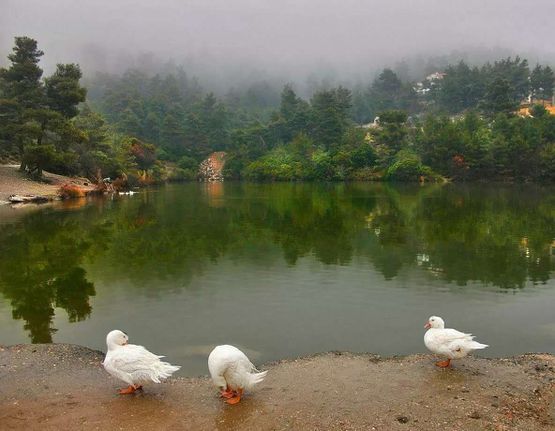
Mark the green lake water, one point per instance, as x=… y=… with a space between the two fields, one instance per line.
x=282 y=270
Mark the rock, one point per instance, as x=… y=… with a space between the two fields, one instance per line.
x=402 y=419
x=475 y=415
x=211 y=169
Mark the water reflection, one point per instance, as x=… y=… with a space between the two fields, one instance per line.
x=40 y=268
x=161 y=239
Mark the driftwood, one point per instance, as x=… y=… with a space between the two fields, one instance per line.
x=18 y=199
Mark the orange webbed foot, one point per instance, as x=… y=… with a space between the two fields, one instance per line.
x=236 y=398
x=443 y=364
x=233 y=400
x=128 y=390
x=227 y=393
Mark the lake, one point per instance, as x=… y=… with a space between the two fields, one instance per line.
x=283 y=270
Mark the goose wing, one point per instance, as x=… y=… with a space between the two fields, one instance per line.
x=135 y=360
x=447 y=336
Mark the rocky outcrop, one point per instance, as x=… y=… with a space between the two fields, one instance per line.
x=211 y=168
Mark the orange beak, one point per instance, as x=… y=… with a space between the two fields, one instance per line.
x=427 y=325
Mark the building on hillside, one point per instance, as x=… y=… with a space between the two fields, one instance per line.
x=372 y=125
x=424 y=87
x=436 y=76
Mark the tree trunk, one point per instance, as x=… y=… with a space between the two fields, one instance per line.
x=42 y=129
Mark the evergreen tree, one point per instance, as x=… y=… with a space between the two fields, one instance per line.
x=541 y=82
x=461 y=88
x=330 y=110
x=63 y=91
x=22 y=94
x=499 y=98
x=389 y=93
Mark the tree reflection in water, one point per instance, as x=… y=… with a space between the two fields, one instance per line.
x=501 y=236
x=40 y=261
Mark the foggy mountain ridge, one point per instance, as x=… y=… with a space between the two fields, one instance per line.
x=228 y=44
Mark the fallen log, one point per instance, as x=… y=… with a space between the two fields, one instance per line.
x=17 y=199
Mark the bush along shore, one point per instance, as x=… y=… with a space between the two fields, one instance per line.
x=19 y=187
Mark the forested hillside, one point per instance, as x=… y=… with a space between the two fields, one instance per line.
x=461 y=123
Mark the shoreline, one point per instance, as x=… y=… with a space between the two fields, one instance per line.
x=13 y=182
x=57 y=386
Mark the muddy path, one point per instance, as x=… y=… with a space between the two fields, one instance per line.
x=64 y=387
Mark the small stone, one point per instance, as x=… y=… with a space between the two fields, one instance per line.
x=402 y=419
x=475 y=415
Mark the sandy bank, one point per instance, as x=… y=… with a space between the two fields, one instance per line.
x=63 y=387
x=13 y=182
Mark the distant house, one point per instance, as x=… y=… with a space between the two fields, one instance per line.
x=372 y=125
x=436 y=76
x=422 y=88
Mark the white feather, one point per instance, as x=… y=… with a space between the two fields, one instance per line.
x=449 y=342
x=229 y=367
x=134 y=364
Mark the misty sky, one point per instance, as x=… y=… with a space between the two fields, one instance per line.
x=285 y=36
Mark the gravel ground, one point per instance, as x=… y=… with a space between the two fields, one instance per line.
x=60 y=386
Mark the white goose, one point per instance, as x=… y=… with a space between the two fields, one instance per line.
x=448 y=342
x=134 y=364
x=232 y=372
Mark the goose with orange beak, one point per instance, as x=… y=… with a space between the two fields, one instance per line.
x=134 y=364
x=448 y=342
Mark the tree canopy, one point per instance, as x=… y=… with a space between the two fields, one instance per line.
x=460 y=122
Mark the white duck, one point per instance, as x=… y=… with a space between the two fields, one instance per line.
x=232 y=372
x=448 y=342
x=133 y=364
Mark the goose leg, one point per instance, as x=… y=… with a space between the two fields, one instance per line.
x=443 y=364
x=129 y=390
x=236 y=398
x=227 y=393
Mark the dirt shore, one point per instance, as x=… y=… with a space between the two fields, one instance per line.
x=64 y=387
x=14 y=182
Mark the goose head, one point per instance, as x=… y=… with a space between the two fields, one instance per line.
x=116 y=338
x=435 y=322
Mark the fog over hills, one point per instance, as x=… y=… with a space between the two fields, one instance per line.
x=225 y=42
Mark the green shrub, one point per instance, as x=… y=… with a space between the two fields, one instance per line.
x=188 y=163
x=234 y=166
x=322 y=167
x=362 y=156
x=179 y=174
x=409 y=168
x=366 y=174
x=278 y=165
